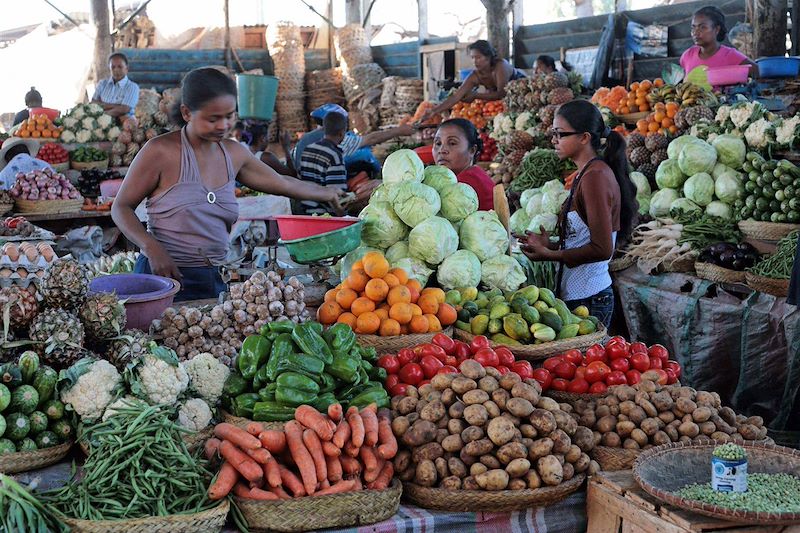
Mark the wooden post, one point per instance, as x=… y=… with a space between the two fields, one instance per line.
x=331 y=49
x=517 y=21
x=769 y=27
x=113 y=21
x=497 y=24
x=228 y=62
x=422 y=15
x=352 y=11
x=102 y=41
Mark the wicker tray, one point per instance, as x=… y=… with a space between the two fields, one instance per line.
x=48 y=207
x=210 y=521
x=535 y=352
x=612 y=459
x=718 y=274
x=500 y=501
x=621 y=263
x=192 y=440
x=241 y=422
x=775 y=287
x=766 y=231
x=12 y=463
x=319 y=512
x=101 y=165
x=661 y=471
x=396 y=343
x=6 y=208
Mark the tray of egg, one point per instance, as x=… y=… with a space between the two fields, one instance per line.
x=25 y=260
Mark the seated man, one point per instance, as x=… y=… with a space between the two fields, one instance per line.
x=323 y=162
x=118 y=95
x=17 y=155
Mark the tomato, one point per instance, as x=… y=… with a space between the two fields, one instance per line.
x=391 y=381
x=578 y=386
x=623 y=364
x=487 y=357
x=478 y=342
x=390 y=363
x=598 y=388
x=671 y=377
x=573 y=356
x=580 y=372
x=450 y=360
x=544 y=377
x=616 y=350
x=411 y=373
x=633 y=377
x=430 y=365
x=565 y=370
x=445 y=343
x=430 y=349
x=462 y=350
x=675 y=367
x=595 y=353
x=399 y=389
x=638 y=347
x=522 y=368
x=662 y=376
x=447 y=369
x=552 y=362
x=655 y=362
x=506 y=357
x=406 y=356
x=658 y=351
x=616 y=339
x=640 y=361
x=503 y=370
x=597 y=371
x=616 y=378
x=559 y=384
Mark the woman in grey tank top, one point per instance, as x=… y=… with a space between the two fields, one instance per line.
x=187 y=178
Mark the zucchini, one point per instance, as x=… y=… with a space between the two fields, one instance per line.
x=38 y=422
x=53 y=409
x=272 y=412
x=551 y=320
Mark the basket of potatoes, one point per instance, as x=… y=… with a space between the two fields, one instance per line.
x=481 y=441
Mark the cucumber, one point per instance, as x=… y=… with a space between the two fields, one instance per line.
x=44 y=381
x=544 y=334
x=62 y=429
x=46 y=439
x=38 y=422
x=5 y=397
x=586 y=327
x=26 y=445
x=24 y=399
x=53 y=409
x=28 y=364
x=6 y=446
x=17 y=426
x=547 y=296
x=552 y=320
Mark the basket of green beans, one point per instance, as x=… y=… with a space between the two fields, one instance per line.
x=679 y=475
x=771 y=275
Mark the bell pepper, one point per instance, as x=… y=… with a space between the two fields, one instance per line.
x=302 y=364
x=364 y=377
x=281 y=348
x=267 y=394
x=311 y=342
x=324 y=401
x=272 y=412
x=295 y=380
x=369 y=353
x=244 y=403
x=316 y=327
x=254 y=353
x=260 y=379
x=376 y=395
x=327 y=383
x=344 y=367
x=340 y=338
x=377 y=373
x=234 y=385
x=294 y=397
x=282 y=326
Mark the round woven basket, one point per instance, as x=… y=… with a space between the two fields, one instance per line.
x=6 y=208
x=192 y=440
x=718 y=274
x=241 y=422
x=500 y=501
x=766 y=231
x=666 y=469
x=210 y=521
x=346 y=509
x=775 y=287
x=12 y=463
x=535 y=352
x=48 y=207
x=621 y=263
x=612 y=459
x=684 y=265
x=396 y=343
x=101 y=165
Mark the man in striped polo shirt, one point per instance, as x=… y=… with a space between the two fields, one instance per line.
x=118 y=95
x=322 y=162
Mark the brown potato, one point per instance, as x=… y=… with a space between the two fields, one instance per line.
x=518 y=467
x=426 y=474
x=441 y=382
x=517 y=484
x=702 y=414
x=476 y=415
x=433 y=412
x=630 y=444
x=457 y=467
x=425 y=390
x=587 y=419
x=565 y=422
x=500 y=397
x=469 y=483
x=492 y=409
x=512 y=450
x=479 y=447
x=648 y=386
x=466 y=458
x=519 y=407
x=514 y=420
x=526 y=442
x=707 y=428
x=543 y=421
x=432 y=396
x=493 y=372
x=407 y=475
x=488 y=384
x=528 y=392
x=660 y=438
x=422 y=432
x=602 y=411
x=412 y=417
x=402 y=461
x=453 y=443
x=561 y=442
x=672 y=432
x=606 y=424
x=472 y=433
x=400 y=425
x=719 y=436
x=407 y=405
x=500 y=430
x=412 y=392
x=493 y=479
x=421 y=405
x=749 y=432
x=508 y=380
x=573 y=454
x=640 y=437
x=490 y=461
x=594 y=467
x=456 y=410
x=462 y=384
x=648 y=407
x=548 y=404
x=624 y=392
x=441 y=434
x=611 y=440
x=474 y=397
x=478 y=468
x=441 y=467
x=472 y=369
x=685 y=405
x=650 y=426
x=540 y=448
x=550 y=470
x=626 y=406
x=533 y=479
x=583 y=438
x=528 y=431
x=430 y=451
x=448 y=396
x=666 y=416
x=689 y=429
x=451 y=483
x=755 y=421
x=582 y=464
x=455 y=426
x=722 y=424
x=704 y=399
x=568 y=471
x=624 y=428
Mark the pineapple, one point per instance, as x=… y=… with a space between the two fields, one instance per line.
x=658 y=157
x=65 y=284
x=640 y=156
x=656 y=141
x=519 y=140
x=560 y=95
x=547 y=115
x=696 y=113
x=635 y=140
x=103 y=316
x=21 y=304
x=555 y=80
x=61 y=336
x=649 y=170
x=131 y=344
x=514 y=159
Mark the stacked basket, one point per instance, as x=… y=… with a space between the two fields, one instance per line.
x=359 y=73
x=324 y=87
x=399 y=99
x=286 y=50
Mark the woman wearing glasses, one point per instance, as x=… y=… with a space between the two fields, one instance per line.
x=598 y=211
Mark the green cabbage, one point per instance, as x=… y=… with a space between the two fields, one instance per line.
x=526 y=195
x=699 y=189
x=484 y=235
x=728 y=186
x=661 y=202
x=438 y=177
x=552 y=201
x=548 y=220
x=519 y=221
x=346 y=264
x=384 y=193
x=685 y=205
x=396 y=251
x=416 y=269
x=719 y=209
x=719 y=169
x=415 y=202
x=458 y=201
x=669 y=175
x=553 y=186
x=382 y=227
x=641 y=182
x=534 y=205
x=644 y=204
x=403 y=165
x=731 y=150
x=675 y=147
x=502 y=272
x=433 y=240
x=697 y=157
x=462 y=269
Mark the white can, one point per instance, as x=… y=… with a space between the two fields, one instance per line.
x=728 y=476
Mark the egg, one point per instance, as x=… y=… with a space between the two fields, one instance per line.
x=25 y=246
x=6 y=272
x=11 y=250
x=47 y=252
x=23 y=273
x=40 y=273
x=32 y=254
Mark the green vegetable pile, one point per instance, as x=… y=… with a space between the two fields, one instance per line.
x=139 y=467
x=87 y=154
x=539 y=166
x=701 y=230
x=778 y=265
x=287 y=365
x=766 y=493
x=20 y=511
x=730 y=452
x=772 y=190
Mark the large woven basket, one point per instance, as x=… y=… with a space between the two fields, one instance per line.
x=775 y=287
x=347 y=509
x=5 y=208
x=571 y=397
x=192 y=440
x=48 y=207
x=210 y=521
x=766 y=231
x=621 y=263
x=535 y=352
x=241 y=422
x=501 y=501
x=12 y=463
x=666 y=469
x=718 y=274
x=397 y=342
x=612 y=459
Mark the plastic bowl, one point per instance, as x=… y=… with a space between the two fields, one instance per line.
x=293 y=227
x=325 y=246
x=425 y=153
x=146 y=296
x=109 y=188
x=778 y=67
x=730 y=75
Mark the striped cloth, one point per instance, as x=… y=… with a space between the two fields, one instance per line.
x=322 y=163
x=123 y=92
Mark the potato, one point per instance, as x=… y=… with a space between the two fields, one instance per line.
x=421 y=405
x=407 y=475
x=543 y=421
x=456 y=410
x=630 y=444
x=466 y=458
x=472 y=433
x=517 y=484
x=412 y=392
x=640 y=437
x=737 y=438
x=720 y=436
x=626 y=406
x=412 y=417
x=687 y=418
x=421 y=432
x=550 y=470
x=561 y=442
x=672 y=432
x=500 y=430
x=702 y=414
x=648 y=407
x=755 y=421
x=704 y=399
x=548 y=404
x=462 y=384
x=606 y=424
x=622 y=418
x=528 y=431
x=662 y=400
x=453 y=443
x=666 y=416
x=478 y=468
x=500 y=397
x=457 y=467
x=728 y=415
x=441 y=434
x=425 y=390
x=400 y=425
x=469 y=483
x=518 y=467
x=602 y=411
x=476 y=415
x=492 y=409
x=749 y=432
x=689 y=429
x=407 y=405
x=426 y=474
x=526 y=442
x=685 y=405
x=648 y=386
x=650 y=426
x=512 y=450
x=582 y=464
x=432 y=396
x=476 y=396
x=583 y=438
x=433 y=412
x=448 y=396
x=624 y=392
x=508 y=380
x=660 y=438
x=402 y=461
x=587 y=419
x=611 y=440
x=455 y=426
x=490 y=461
x=479 y=447
x=441 y=467
x=624 y=428
x=441 y=382
x=565 y=422
x=707 y=428
x=540 y=448
x=493 y=479
x=488 y=384
x=430 y=451
x=472 y=369
x=451 y=483
x=514 y=420
x=519 y=407
x=493 y=372
x=572 y=454
x=568 y=471
x=597 y=437
x=528 y=392
x=532 y=479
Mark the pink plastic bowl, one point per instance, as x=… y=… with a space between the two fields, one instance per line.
x=109 y=188
x=293 y=227
x=146 y=296
x=731 y=75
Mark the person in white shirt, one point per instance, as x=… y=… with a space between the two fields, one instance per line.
x=18 y=155
x=118 y=95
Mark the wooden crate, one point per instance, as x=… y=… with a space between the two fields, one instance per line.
x=616 y=504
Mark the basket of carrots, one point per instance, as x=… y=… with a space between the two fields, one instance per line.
x=319 y=471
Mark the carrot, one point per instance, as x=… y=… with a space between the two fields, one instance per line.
x=259 y=494
x=368 y=457
x=226 y=479
x=236 y=436
x=261 y=456
x=356 y=427
x=313 y=419
x=387 y=440
x=370 y=420
x=351 y=450
x=334 y=468
x=280 y=493
x=273 y=440
x=331 y=424
x=256 y=484
x=335 y=412
x=272 y=473
x=342 y=434
x=292 y=482
x=249 y=469
x=372 y=474
x=343 y=486
x=211 y=447
x=312 y=442
x=255 y=428
x=384 y=478
x=330 y=449
x=301 y=455
x=241 y=490
x=350 y=466
x=357 y=483
x=325 y=484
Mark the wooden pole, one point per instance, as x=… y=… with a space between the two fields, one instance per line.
x=331 y=49
x=497 y=25
x=422 y=15
x=769 y=27
x=352 y=11
x=102 y=41
x=228 y=62
x=517 y=21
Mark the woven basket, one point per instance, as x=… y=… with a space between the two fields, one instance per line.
x=632 y=118
x=718 y=274
x=192 y=440
x=621 y=263
x=766 y=231
x=396 y=343
x=612 y=459
x=775 y=287
x=6 y=208
x=48 y=207
x=535 y=352
x=684 y=265
x=210 y=521
x=241 y=422
x=500 y=501
x=101 y=165
x=61 y=167
x=12 y=463
x=346 y=509
x=666 y=469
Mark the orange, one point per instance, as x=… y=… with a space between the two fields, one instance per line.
x=346 y=297
x=401 y=312
x=382 y=312
x=330 y=296
x=376 y=290
x=368 y=323
x=446 y=314
x=400 y=274
x=433 y=323
x=398 y=295
x=347 y=318
x=375 y=265
x=357 y=279
x=403 y=329
x=362 y=305
x=667 y=122
x=438 y=293
x=653 y=127
x=328 y=312
x=391 y=280
x=358 y=265
x=389 y=328
x=36 y=134
x=659 y=116
x=658 y=82
x=418 y=324
x=416 y=310
x=415 y=288
x=428 y=303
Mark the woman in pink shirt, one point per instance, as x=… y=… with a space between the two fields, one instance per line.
x=708 y=31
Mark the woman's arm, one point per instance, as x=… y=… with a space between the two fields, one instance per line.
x=469 y=84
x=501 y=77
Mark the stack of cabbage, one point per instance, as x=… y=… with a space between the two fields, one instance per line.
x=540 y=208
x=423 y=221
x=700 y=176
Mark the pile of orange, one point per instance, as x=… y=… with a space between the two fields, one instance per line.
x=661 y=120
x=479 y=112
x=375 y=299
x=38 y=126
x=636 y=101
x=613 y=98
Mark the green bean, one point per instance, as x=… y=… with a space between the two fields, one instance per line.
x=779 y=265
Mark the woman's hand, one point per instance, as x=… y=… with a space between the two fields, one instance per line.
x=469 y=97
x=286 y=140
x=536 y=245
x=161 y=264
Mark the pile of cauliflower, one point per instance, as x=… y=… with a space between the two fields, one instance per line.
x=505 y=123
x=89 y=123
x=94 y=389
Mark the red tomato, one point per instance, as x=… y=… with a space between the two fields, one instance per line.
x=671 y=377
x=616 y=378
x=444 y=342
x=623 y=364
x=544 y=377
x=430 y=349
x=451 y=360
x=559 y=384
x=552 y=362
x=462 y=350
x=633 y=377
x=503 y=370
x=595 y=353
x=638 y=347
x=655 y=362
x=597 y=371
x=447 y=369
x=391 y=381
x=478 y=342
x=411 y=373
x=598 y=388
x=616 y=350
x=389 y=363
x=616 y=339
x=578 y=386
x=675 y=367
x=399 y=389
x=522 y=368
x=406 y=356
x=573 y=356
x=640 y=361
x=662 y=376
x=565 y=370
x=658 y=351
x=487 y=357
x=580 y=372
x=430 y=365
x=505 y=356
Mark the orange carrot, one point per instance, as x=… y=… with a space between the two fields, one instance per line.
x=211 y=447
x=325 y=484
x=342 y=486
x=261 y=456
x=372 y=474
x=301 y=455
x=368 y=457
x=236 y=436
x=356 y=427
x=313 y=419
x=370 y=420
x=357 y=483
x=351 y=450
x=335 y=412
x=273 y=440
x=350 y=466
x=331 y=424
x=241 y=490
x=330 y=449
x=334 y=467
x=312 y=442
x=256 y=484
x=387 y=440
x=272 y=473
x=255 y=428
x=280 y=493
x=249 y=469
x=226 y=479
x=259 y=494
x=342 y=434
x=292 y=482
x=384 y=478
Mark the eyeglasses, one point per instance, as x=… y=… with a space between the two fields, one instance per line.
x=555 y=134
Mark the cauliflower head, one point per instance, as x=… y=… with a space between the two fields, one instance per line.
x=785 y=132
x=78 y=112
x=158 y=377
x=194 y=414
x=522 y=121
x=207 y=375
x=88 y=123
x=88 y=387
x=94 y=109
x=113 y=132
x=104 y=121
x=83 y=136
x=759 y=133
x=67 y=136
x=723 y=113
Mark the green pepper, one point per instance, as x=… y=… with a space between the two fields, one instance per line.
x=340 y=338
x=243 y=404
x=272 y=412
x=324 y=401
x=348 y=393
x=234 y=385
x=366 y=365
x=260 y=379
x=311 y=342
x=376 y=395
x=301 y=363
x=377 y=374
x=363 y=376
x=281 y=348
x=369 y=353
x=298 y=381
x=267 y=394
x=294 y=397
x=254 y=353
x=282 y=326
x=327 y=383
x=315 y=326
x=344 y=367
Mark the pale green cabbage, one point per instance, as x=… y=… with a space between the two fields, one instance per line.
x=728 y=186
x=415 y=268
x=433 y=240
x=661 y=202
x=397 y=251
x=382 y=227
x=719 y=209
x=484 y=235
x=731 y=150
x=669 y=175
x=461 y=269
x=403 y=165
x=641 y=182
x=458 y=201
x=438 y=177
x=519 y=221
x=675 y=147
x=699 y=189
x=502 y=272
x=415 y=202
x=697 y=157
x=548 y=220
x=685 y=205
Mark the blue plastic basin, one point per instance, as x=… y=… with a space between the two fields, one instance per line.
x=778 y=67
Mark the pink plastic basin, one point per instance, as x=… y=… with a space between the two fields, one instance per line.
x=293 y=227
x=146 y=296
x=730 y=75
x=109 y=188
